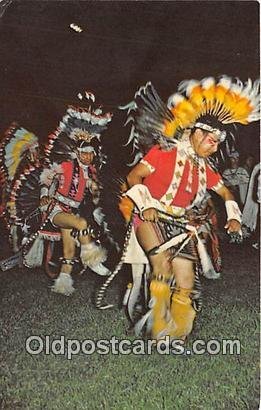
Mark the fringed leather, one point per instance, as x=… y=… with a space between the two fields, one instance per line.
x=207 y=266
x=34 y=258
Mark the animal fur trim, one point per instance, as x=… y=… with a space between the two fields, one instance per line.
x=63 y=284
x=93 y=256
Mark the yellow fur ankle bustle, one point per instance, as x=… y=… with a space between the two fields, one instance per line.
x=182 y=314
x=160 y=297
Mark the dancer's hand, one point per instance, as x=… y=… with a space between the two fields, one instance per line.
x=45 y=200
x=150 y=215
x=233 y=226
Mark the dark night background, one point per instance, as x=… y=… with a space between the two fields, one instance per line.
x=124 y=44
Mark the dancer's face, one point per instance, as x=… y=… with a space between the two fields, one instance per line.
x=86 y=158
x=234 y=162
x=204 y=143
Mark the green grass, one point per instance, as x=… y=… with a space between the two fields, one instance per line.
x=127 y=381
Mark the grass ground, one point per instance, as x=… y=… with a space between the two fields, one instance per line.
x=120 y=382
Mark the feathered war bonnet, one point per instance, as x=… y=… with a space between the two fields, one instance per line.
x=17 y=144
x=79 y=129
x=214 y=106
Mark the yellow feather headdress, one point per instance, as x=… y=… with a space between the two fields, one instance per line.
x=209 y=104
x=202 y=102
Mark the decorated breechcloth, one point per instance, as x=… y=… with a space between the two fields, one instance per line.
x=166 y=231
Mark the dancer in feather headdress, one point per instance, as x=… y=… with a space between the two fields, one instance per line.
x=171 y=180
x=64 y=183
x=73 y=157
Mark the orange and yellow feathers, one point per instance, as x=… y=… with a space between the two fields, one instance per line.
x=226 y=100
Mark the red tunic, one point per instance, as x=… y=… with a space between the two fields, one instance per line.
x=72 y=182
x=159 y=180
